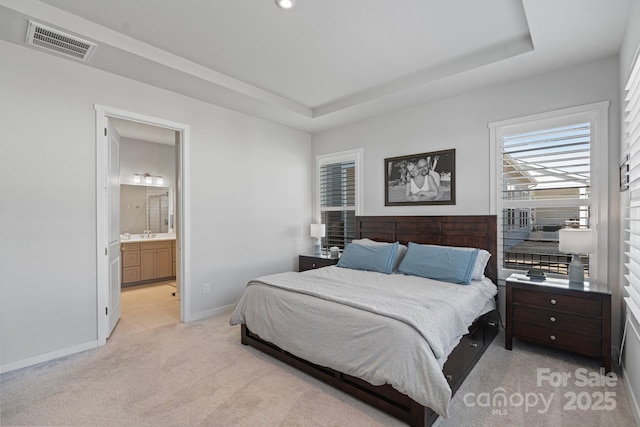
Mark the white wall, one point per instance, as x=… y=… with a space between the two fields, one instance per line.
x=140 y=157
x=631 y=355
x=460 y=122
x=249 y=211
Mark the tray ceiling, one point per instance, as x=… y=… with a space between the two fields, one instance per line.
x=323 y=64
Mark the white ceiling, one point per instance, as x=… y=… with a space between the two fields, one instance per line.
x=327 y=63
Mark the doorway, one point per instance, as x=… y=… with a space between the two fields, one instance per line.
x=149 y=296
x=107 y=198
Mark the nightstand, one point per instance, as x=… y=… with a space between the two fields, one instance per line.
x=309 y=262
x=558 y=314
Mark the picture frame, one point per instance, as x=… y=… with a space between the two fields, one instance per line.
x=421 y=179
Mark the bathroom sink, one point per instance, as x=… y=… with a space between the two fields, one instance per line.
x=152 y=236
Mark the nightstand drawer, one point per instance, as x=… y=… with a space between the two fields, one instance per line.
x=557 y=320
x=585 y=306
x=584 y=344
x=310 y=262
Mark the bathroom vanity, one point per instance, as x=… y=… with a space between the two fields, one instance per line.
x=146 y=260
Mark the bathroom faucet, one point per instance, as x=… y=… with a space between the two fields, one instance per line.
x=147 y=232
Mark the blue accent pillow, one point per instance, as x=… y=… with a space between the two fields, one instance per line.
x=371 y=258
x=445 y=263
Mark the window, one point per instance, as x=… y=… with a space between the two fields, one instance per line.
x=632 y=222
x=544 y=169
x=338 y=193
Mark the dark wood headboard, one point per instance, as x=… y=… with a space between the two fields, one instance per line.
x=472 y=231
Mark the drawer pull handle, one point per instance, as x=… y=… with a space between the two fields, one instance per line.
x=474 y=344
x=553 y=337
x=492 y=324
x=553 y=302
x=313 y=265
x=552 y=319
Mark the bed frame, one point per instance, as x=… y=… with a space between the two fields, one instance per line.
x=479 y=231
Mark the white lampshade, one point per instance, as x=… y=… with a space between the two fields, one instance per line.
x=318 y=230
x=576 y=240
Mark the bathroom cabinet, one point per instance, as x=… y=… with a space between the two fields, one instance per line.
x=147 y=261
x=130 y=262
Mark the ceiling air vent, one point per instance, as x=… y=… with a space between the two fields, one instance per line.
x=56 y=41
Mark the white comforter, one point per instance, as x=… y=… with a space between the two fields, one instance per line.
x=393 y=329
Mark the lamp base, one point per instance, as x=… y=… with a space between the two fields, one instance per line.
x=576 y=270
x=317 y=248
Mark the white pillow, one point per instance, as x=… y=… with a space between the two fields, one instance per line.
x=402 y=249
x=481 y=264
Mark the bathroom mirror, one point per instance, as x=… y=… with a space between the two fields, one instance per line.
x=146 y=208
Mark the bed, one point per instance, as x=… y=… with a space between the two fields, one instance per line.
x=380 y=355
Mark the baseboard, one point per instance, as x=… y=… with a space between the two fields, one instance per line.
x=210 y=313
x=633 y=399
x=630 y=377
x=46 y=357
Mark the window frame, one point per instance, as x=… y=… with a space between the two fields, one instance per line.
x=597 y=115
x=354 y=155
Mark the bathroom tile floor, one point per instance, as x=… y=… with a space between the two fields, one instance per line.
x=146 y=307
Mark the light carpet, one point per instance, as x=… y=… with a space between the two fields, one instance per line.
x=199 y=374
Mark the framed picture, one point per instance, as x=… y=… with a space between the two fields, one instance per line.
x=421 y=179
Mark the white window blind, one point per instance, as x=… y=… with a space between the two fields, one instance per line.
x=632 y=142
x=337 y=202
x=338 y=196
x=545 y=185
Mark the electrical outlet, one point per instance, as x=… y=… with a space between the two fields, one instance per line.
x=205 y=288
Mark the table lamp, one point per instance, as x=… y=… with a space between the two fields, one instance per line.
x=576 y=241
x=318 y=232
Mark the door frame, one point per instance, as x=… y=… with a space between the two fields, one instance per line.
x=183 y=231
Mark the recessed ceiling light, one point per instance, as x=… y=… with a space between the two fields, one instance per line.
x=286 y=4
